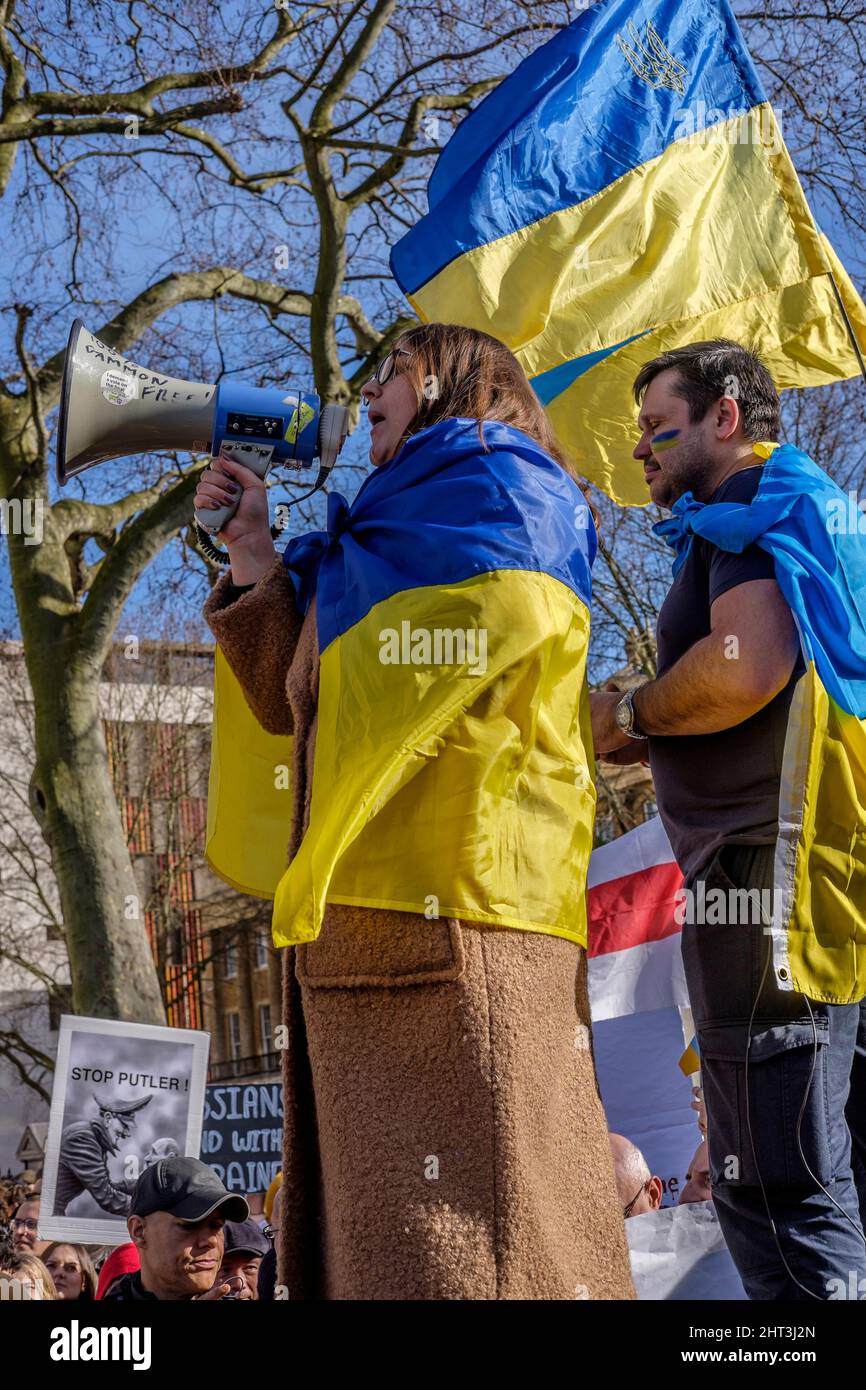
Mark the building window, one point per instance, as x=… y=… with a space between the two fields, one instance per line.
x=59 y=1002
x=265 y=1027
x=233 y=1030
x=230 y=962
x=261 y=949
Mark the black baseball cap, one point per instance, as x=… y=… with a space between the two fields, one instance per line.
x=245 y=1236
x=186 y=1188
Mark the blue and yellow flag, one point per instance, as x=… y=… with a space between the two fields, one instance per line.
x=453 y=759
x=625 y=191
x=817 y=538
x=249 y=795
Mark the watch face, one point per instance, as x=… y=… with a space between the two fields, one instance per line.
x=622 y=714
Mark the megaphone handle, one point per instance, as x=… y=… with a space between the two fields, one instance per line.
x=257 y=458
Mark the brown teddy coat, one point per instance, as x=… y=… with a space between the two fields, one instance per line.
x=443 y=1132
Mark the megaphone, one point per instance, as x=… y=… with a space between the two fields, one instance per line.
x=111 y=407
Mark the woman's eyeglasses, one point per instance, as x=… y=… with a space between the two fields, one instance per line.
x=388 y=366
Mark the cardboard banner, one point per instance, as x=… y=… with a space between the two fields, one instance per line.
x=680 y=1254
x=125 y=1095
x=243 y=1136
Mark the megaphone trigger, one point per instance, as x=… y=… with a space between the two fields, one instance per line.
x=257 y=458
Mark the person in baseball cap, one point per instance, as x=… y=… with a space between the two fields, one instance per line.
x=177 y=1215
x=245 y=1245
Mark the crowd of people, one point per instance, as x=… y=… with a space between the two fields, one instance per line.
x=190 y=1239
x=640 y=1190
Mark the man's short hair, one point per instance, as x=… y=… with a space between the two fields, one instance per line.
x=708 y=371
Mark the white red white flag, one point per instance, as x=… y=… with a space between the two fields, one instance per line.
x=634 y=939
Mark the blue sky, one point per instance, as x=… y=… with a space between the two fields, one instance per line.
x=141 y=225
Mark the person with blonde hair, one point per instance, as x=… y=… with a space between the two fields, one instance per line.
x=24 y=1277
x=443 y=1132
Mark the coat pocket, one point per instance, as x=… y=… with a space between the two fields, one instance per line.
x=754 y=1137
x=369 y=947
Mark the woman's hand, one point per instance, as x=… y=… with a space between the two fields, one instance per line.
x=247 y=535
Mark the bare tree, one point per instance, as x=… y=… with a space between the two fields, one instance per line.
x=350 y=85
x=155 y=708
x=226 y=201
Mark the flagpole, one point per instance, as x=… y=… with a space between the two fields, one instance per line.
x=851 y=334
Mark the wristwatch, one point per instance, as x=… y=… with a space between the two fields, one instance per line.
x=625 y=717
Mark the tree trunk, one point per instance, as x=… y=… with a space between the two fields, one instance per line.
x=71 y=795
x=113 y=971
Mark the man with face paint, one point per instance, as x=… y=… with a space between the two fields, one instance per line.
x=713 y=727
x=727 y=644
x=84 y=1152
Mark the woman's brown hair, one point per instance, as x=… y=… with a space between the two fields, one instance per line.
x=459 y=371
x=88 y=1272
x=462 y=372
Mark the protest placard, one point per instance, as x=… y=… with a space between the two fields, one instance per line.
x=679 y=1254
x=125 y=1095
x=243 y=1135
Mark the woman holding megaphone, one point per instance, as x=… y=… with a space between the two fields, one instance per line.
x=443 y=1133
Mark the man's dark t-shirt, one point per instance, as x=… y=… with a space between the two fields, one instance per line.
x=723 y=788
x=129 y=1289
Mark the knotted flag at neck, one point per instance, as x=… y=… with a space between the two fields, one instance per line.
x=447 y=507
x=453 y=769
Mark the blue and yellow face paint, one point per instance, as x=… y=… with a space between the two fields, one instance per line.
x=665 y=440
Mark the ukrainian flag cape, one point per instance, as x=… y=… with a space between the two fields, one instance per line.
x=817 y=538
x=452 y=772
x=625 y=191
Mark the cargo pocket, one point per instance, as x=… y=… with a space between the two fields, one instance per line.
x=362 y=948
x=781 y=1059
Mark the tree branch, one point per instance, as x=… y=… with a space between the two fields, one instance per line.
x=12 y=1046
x=409 y=133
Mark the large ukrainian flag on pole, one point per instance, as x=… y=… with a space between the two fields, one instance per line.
x=624 y=191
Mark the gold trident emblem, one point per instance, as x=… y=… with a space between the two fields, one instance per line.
x=652 y=59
